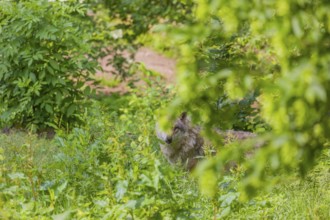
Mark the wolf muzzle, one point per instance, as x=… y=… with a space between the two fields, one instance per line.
x=168 y=140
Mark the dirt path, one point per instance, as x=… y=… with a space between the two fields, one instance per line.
x=157 y=62
x=152 y=60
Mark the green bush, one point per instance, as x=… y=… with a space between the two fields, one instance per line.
x=44 y=49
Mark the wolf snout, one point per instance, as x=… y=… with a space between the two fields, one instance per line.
x=168 y=140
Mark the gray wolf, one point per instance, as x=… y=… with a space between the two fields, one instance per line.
x=185 y=144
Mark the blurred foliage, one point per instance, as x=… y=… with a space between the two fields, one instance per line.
x=279 y=50
x=44 y=48
x=136 y=17
x=120 y=25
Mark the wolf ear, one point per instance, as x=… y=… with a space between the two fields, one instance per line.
x=183 y=116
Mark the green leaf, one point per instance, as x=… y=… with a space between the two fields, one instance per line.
x=228 y=199
x=58 y=97
x=87 y=91
x=297 y=30
x=63 y=216
x=41 y=75
x=50 y=70
x=54 y=64
x=33 y=77
x=61 y=188
x=71 y=109
x=80 y=84
x=225 y=212
x=14 y=176
x=30 y=62
x=49 y=108
x=131 y=204
x=121 y=189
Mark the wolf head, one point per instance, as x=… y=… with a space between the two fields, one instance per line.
x=183 y=144
x=180 y=128
x=178 y=131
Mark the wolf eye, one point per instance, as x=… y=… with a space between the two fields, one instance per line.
x=176 y=129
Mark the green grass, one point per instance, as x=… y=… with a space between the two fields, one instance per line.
x=308 y=198
x=112 y=168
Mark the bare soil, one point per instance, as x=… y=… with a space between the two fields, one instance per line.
x=152 y=61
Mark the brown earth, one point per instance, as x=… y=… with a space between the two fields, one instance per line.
x=152 y=61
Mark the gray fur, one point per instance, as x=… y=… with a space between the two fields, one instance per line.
x=185 y=145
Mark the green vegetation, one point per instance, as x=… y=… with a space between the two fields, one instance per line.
x=112 y=168
x=44 y=47
x=277 y=50
x=256 y=66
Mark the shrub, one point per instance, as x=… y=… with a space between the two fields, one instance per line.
x=44 y=49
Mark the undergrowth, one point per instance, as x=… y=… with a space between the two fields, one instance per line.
x=112 y=168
